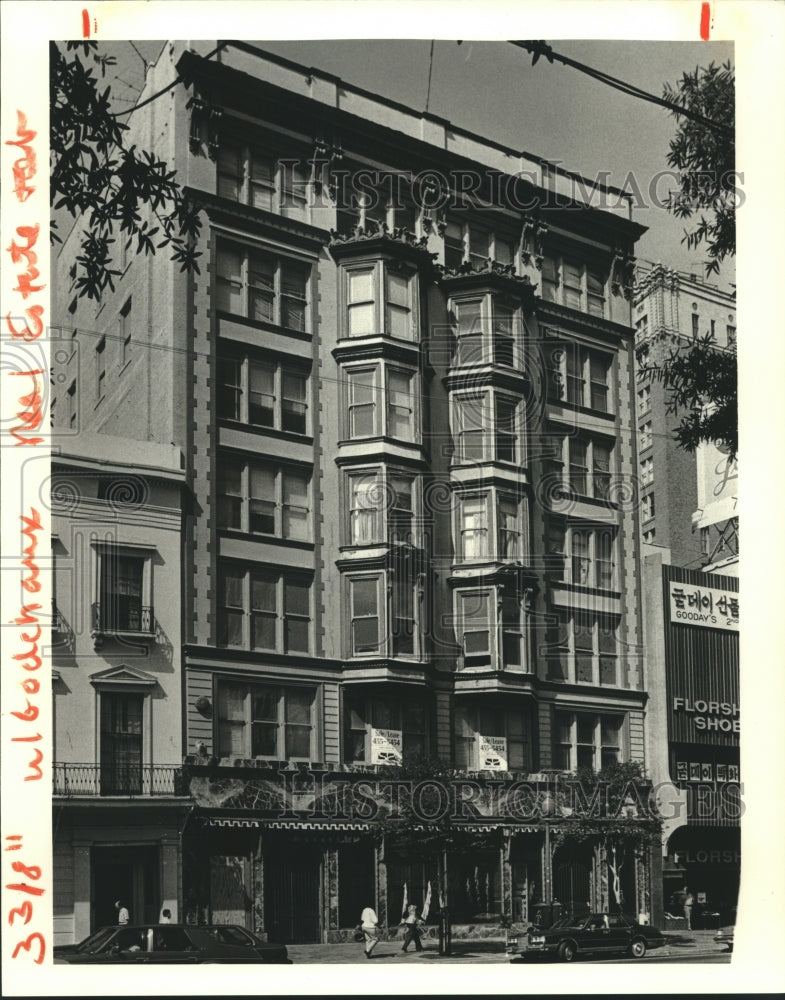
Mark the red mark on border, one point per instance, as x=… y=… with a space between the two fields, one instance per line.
x=705 y=21
x=85 y=24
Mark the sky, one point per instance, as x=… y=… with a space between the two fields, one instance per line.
x=549 y=110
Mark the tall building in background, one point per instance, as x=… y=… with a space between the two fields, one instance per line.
x=688 y=500
x=406 y=411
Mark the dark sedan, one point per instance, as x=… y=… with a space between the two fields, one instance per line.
x=595 y=934
x=180 y=944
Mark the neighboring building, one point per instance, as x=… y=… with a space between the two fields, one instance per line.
x=119 y=799
x=409 y=454
x=680 y=490
x=692 y=645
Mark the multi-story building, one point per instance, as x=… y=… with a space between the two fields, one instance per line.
x=688 y=500
x=119 y=799
x=403 y=383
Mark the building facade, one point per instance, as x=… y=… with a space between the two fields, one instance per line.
x=688 y=500
x=403 y=384
x=119 y=801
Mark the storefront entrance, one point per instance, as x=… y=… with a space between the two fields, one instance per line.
x=292 y=891
x=130 y=874
x=572 y=881
x=708 y=862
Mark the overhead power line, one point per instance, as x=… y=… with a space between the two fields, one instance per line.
x=171 y=86
x=540 y=48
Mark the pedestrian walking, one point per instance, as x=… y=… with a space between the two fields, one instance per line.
x=122 y=912
x=369 y=924
x=689 y=900
x=412 y=924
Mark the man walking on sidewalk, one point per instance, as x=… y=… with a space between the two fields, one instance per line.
x=411 y=922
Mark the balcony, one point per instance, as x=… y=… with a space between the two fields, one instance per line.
x=126 y=618
x=125 y=781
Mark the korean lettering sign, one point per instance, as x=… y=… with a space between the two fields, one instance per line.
x=705 y=607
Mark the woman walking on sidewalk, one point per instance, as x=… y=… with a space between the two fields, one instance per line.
x=369 y=924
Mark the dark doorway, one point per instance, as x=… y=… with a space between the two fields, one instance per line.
x=356 y=888
x=130 y=874
x=572 y=882
x=292 y=898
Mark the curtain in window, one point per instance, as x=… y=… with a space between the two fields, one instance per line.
x=121 y=744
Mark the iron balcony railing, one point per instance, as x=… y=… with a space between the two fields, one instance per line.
x=123 y=618
x=130 y=780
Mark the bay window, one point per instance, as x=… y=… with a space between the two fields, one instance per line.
x=381 y=298
x=580 y=376
x=266 y=721
x=259 y=286
x=582 y=556
x=369 y=717
x=264 y=499
x=506 y=729
x=383 y=506
x=264 y=610
x=487 y=427
x=263 y=394
x=383 y=610
x=582 y=647
x=585 y=462
x=365 y=612
x=584 y=739
x=379 y=401
x=574 y=283
x=489 y=526
x=490 y=627
x=487 y=330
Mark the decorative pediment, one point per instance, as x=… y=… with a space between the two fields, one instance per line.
x=123 y=676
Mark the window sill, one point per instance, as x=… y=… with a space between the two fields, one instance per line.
x=260 y=429
x=252 y=536
x=255 y=324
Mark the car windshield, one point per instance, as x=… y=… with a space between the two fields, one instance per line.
x=568 y=922
x=96 y=940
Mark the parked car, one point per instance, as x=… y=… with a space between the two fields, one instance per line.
x=725 y=936
x=594 y=934
x=183 y=944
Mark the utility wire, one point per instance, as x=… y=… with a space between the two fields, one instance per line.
x=430 y=71
x=171 y=86
x=540 y=48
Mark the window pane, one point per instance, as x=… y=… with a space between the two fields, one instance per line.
x=296 y=522
x=298 y=706
x=294 y=279
x=262 y=183
x=361 y=320
x=230 y=172
x=264 y=740
x=265 y=704
x=364 y=597
x=610 y=731
x=297 y=598
x=295 y=406
x=471 y=429
x=360 y=286
x=263 y=593
x=400 y=403
x=367 y=494
x=585 y=729
x=401 y=509
x=230 y=494
x=398 y=289
x=229 y=281
x=233 y=590
x=474 y=528
x=470 y=333
x=365 y=633
x=261 y=402
x=505 y=430
x=298 y=741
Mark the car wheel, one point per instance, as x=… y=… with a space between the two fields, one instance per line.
x=566 y=951
x=638 y=948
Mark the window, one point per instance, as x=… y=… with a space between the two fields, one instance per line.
x=487 y=427
x=489 y=527
x=475 y=243
x=488 y=331
x=588 y=464
x=695 y=321
x=582 y=556
x=574 y=283
x=581 y=377
x=380 y=402
x=730 y=335
x=647 y=506
x=264 y=499
x=641 y=327
x=120 y=608
x=100 y=370
x=645 y=435
x=453 y=245
x=125 y=334
x=383 y=505
x=644 y=399
x=647 y=471
x=365 y=615
x=650 y=535
x=582 y=647
x=365 y=714
x=581 y=739
x=121 y=743
x=513 y=725
x=263 y=394
x=262 y=287
x=381 y=298
x=254 y=178
x=264 y=609
x=490 y=627
x=267 y=721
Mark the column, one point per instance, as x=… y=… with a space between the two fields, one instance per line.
x=257 y=889
x=381 y=882
x=81 y=891
x=506 y=874
x=170 y=872
x=332 y=875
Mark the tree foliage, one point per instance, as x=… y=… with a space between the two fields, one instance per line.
x=706 y=160
x=119 y=192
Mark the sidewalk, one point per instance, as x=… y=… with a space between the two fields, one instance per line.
x=485 y=951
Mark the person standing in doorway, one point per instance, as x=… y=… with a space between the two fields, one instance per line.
x=369 y=924
x=412 y=924
x=689 y=900
x=166 y=916
x=122 y=912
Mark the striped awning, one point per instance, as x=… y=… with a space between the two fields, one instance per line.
x=237 y=823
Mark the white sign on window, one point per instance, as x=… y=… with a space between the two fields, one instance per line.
x=492 y=753
x=704 y=606
x=386 y=746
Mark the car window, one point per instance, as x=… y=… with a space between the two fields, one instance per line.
x=616 y=921
x=92 y=944
x=171 y=939
x=231 y=935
